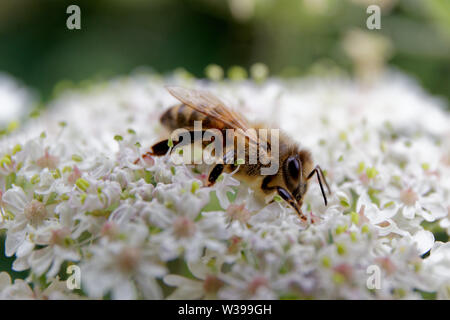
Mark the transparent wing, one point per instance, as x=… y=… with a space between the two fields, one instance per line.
x=211 y=106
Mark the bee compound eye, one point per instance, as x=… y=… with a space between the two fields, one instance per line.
x=294 y=167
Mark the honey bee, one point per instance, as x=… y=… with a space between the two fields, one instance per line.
x=296 y=166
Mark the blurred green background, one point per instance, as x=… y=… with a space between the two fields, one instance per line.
x=292 y=37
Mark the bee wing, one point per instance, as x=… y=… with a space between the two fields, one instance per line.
x=211 y=106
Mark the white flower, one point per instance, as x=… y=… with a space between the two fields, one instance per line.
x=20 y=290
x=438 y=267
x=27 y=213
x=184 y=229
x=57 y=247
x=206 y=285
x=126 y=269
x=416 y=198
x=223 y=187
x=246 y=282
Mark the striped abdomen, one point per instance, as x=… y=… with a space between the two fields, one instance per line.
x=183 y=116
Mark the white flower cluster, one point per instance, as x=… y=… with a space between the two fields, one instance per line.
x=71 y=194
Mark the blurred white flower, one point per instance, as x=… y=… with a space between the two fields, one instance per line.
x=126 y=269
x=438 y=265
x=207 y=284
x=21 y=290
x=15 y=100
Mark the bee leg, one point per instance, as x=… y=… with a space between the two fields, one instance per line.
x=158 y=149
x=218 y=168
x=215 y=173
x=161 y=148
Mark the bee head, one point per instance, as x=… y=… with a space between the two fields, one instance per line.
x=297 y=170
